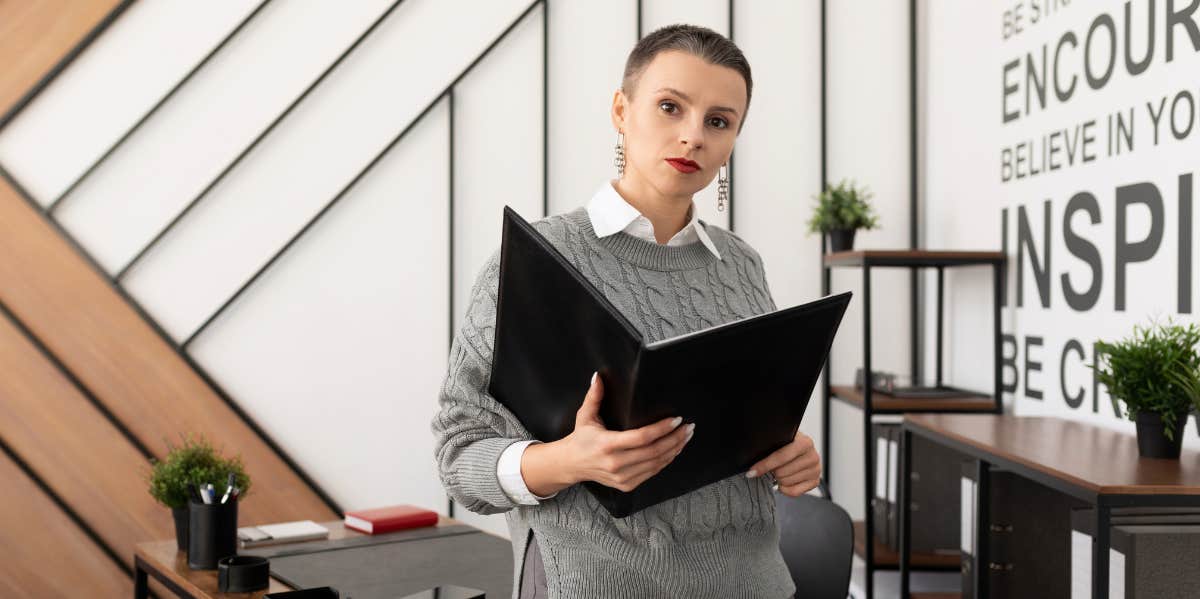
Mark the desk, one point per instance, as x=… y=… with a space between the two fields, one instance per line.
x=168 y=565
x=1097 y=465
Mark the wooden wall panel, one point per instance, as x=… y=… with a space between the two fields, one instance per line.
x=45 y=553
x=114 y=352
x=74 y=449
x=36 y=34
x=70 y=523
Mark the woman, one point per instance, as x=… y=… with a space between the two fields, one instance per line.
x=683 y=99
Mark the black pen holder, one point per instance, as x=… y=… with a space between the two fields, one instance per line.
x=212 y=533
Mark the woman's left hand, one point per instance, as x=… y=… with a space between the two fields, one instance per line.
x=795 y=466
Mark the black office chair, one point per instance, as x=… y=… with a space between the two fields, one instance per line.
x=816 y=538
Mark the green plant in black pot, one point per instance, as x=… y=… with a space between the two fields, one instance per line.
x=1190 y=381
x=1156 y=374
x=194 y=462
x=841 y=210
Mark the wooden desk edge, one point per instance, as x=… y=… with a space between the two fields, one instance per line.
x=914 y=423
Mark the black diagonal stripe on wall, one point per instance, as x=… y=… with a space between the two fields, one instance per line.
x=195 y=367
x=362 y=173
x=253 y=144
x=65 y=62
x=66 y=508
x=83 y=389
x=54 y=204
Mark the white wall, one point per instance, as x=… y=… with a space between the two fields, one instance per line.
x=965 y=193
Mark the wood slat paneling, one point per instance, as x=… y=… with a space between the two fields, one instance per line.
x=36 y=34
x=87 y=455
x=99 y=337
x=74 y=448
x=45 y=553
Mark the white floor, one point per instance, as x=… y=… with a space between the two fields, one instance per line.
x=887 y=582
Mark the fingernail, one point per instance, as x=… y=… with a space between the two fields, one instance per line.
x=691 y=431
x=593 y=378
x=752 y=474
x=675 y=422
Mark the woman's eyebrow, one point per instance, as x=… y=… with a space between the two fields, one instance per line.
x=687 y=99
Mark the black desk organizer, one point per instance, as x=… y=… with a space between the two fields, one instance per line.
x=872 y=402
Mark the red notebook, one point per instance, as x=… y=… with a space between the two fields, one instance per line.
x=389 y=518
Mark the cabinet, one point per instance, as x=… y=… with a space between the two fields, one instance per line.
x=939 y=398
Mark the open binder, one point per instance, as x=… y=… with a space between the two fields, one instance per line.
x=746 y=383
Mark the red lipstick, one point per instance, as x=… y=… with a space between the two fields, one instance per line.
x=683 y=165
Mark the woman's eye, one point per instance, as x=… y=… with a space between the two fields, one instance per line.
x=722 y=121
x=661 y=104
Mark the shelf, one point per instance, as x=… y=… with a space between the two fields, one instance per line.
x=911 y=258
x=885 y=403
x=935 y=595
x=886 y=557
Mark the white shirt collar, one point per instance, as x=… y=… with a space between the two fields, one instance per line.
x=610 y=213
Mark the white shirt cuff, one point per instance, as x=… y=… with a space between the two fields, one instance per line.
x=508 y=470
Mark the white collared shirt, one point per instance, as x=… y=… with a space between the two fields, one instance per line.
x=609 y=213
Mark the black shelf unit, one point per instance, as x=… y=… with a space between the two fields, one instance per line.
x=872 y=402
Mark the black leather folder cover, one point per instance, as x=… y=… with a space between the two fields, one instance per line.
x=745 y=384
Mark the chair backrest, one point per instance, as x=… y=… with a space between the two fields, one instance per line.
x=816 y=538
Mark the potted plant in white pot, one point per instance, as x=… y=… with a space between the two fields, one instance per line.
x=841 y=210
x=1155 y=373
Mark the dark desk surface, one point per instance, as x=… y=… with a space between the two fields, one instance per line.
x=1087 y=456
x=165 y=559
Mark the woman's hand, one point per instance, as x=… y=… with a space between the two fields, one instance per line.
x=618 y=459
x=795 y=466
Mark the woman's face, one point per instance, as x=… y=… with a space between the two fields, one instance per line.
x=682 y=107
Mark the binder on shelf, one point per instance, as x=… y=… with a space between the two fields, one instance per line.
x=882 y=504
x=1026 y=533
x=746 y=384
x=1138 y=542
x=935 y=504
x=968 y=488
x=1154 y=561
x=893 y=519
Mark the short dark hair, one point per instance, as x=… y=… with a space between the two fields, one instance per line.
x=701 y=42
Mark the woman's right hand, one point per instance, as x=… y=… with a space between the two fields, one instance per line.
x=618 y=459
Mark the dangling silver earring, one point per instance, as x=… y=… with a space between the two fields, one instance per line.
x=619 y=160
x=722 y=188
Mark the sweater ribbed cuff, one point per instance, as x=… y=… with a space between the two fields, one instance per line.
x=476 y=465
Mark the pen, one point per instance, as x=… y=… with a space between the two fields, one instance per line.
x=228 y=488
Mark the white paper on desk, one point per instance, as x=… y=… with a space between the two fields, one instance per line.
x=881 y=460
x=300 y=529
x=966 y=537
x=1116 y=574
x=893 y=470
x=1081 y=565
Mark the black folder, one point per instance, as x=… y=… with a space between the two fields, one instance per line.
x=745 y=383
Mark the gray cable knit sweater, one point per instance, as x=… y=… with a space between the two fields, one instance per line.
x=721 y=540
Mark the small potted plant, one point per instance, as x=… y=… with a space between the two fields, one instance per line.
x=1155 y=373
x=841 y=210
x=194 y=462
